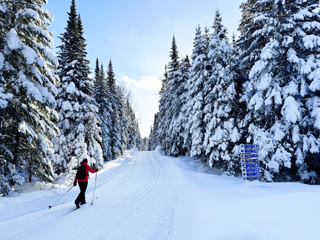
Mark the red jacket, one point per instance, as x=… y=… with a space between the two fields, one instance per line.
x=88 y=169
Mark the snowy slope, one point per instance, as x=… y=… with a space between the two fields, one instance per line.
x=145 y=195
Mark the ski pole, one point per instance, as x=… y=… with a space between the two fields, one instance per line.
x=60 y=197
x=94 y=190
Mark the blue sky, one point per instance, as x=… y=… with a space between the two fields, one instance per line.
x=136 y=36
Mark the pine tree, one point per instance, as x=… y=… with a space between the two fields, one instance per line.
x=27 y=92
x=77 y=109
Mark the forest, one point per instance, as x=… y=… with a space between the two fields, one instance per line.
x=262 y=88
x=52 y=113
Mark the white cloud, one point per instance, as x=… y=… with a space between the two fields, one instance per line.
x=145 y=94
x=146 y=82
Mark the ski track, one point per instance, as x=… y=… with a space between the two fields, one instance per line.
x=149 y=196
x=136 y=200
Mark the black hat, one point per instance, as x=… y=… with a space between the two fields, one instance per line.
x=85 y=160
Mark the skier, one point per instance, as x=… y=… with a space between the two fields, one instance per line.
x=83 y=181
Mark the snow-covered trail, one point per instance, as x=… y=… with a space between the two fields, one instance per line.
x=135 y=200
x=145 y=195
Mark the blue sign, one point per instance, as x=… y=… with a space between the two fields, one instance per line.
x=252 y=170
x=253 y=174
x=250 y=165
x=246 y=160
x=250 y=161
x=251 y=178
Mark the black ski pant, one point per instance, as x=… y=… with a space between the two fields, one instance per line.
x=81 y=197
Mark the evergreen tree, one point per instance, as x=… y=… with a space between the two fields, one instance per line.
x=178 y=123
x=199 y=73
x=277 y=92
x=174 y=89
x=153 y=138
x=98 y=84
x=76 y=107
x=163 y=101
x=27 y=92
x=221 y=103
x=302 y=92
x=113 y=98
x=105 y=110
x=123 y=121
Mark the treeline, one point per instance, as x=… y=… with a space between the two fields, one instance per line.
x=52 y=114
x=263 y=88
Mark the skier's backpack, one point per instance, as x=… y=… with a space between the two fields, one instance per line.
x=81 y=172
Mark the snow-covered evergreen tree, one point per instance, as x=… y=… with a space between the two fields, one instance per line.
x=27 y=92
x=281 y=93
x=199 y=74
x=178 y=123
x=173 y=91
x=114 y=100
x=80 y=134
x=153 y=137
x=123 y=121
x=302 y=93
x=163 y=101
x=101 y=96
x=131 y=121
x=221 y=101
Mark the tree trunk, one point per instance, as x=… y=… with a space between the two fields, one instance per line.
x=2 y=113
x=30 y=174
x=15 y=153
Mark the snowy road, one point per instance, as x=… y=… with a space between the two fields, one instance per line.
x=145 y=195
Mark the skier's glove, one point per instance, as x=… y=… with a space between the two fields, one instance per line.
x=74 y=183
x=97 y=170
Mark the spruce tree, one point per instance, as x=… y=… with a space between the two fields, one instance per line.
x=27 y=92
x=278 y=90
x=154 y=139
x=178 y=123
x=76 y=107
x=113 y=98
x=221 y=100
x=302 y=41
x=199 y=73
x=163 y=104
x=174 y=89
x=101 y=97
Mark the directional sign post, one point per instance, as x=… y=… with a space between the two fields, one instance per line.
x=250 y=162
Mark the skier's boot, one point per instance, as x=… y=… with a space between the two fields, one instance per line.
x=77 y=204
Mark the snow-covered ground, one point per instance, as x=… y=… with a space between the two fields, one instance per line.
x=145 y=195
